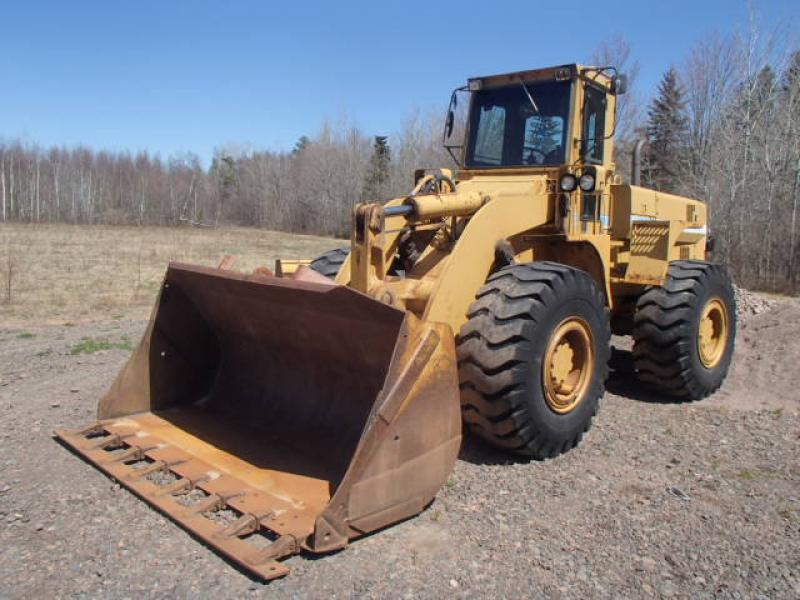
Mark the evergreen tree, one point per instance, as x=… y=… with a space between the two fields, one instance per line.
x=791 y=86
x=376 y=181
x=301 y=145
x=225 y=175
x=791 y=78
x=667 y=130
x=542 y=138
x=764 y=89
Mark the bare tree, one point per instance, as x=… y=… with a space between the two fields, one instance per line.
x=617 y=52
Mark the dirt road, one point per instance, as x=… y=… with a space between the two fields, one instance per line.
x=660 y=500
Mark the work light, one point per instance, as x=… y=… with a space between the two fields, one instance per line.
x=568 y=182
x=586 y=182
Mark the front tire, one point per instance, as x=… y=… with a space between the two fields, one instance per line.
x=533 y=358
x=684 y=331
x=329 y=263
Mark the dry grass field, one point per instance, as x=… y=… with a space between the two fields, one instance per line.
x=57 y=273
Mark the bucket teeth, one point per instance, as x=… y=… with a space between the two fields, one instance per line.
x=182 y=486
x=91 y=430
x=114 y=440
x=133 y=453
x=159 y=465
x=214 y=501
x=223 y=491
x=284 y=546
x=242 y=526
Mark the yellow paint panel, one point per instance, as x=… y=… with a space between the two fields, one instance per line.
x=522 y=205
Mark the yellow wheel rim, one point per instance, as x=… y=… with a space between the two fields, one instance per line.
x=568 y=365
x=712 y=335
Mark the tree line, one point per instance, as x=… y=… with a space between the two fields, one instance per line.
x=723 y=126
x=310 y=189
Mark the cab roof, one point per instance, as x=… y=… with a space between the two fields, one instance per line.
x=567 y=72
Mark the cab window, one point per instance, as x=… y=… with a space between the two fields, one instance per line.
x=516 y=126
x=594 y=113
x=489 y=138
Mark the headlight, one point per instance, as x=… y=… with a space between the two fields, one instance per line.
x=586 y=182
x=568 y=182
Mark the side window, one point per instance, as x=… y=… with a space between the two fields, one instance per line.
x=489 y=139
x=594 y=124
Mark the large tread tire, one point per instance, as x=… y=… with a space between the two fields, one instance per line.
x=329 y=263
x=666 y=327
x=501 y=349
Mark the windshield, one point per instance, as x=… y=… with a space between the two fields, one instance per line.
x=507 y=130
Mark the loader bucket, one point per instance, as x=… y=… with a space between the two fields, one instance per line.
x=269 y=415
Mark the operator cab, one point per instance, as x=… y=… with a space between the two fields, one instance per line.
x=530 y=119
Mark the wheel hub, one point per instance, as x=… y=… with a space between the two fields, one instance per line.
x=568 y=365
x=712 y=334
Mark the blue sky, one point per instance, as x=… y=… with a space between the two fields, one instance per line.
x=170 y=77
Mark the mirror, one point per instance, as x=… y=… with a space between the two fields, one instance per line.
x=620 y=85
x=455 y=125
x=449 y=122
x=448 y=127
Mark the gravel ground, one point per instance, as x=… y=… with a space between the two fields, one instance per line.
x=660 y=500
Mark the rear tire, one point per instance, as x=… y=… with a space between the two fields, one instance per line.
x=684 y=331
x=329 y=263
x=532 y=324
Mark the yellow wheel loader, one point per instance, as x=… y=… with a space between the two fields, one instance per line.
x=271 y=415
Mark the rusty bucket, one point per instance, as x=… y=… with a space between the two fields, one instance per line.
x=268 y=415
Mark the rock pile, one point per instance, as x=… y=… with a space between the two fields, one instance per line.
x=750 y=304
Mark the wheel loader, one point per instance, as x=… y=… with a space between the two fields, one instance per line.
x=271 y=415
